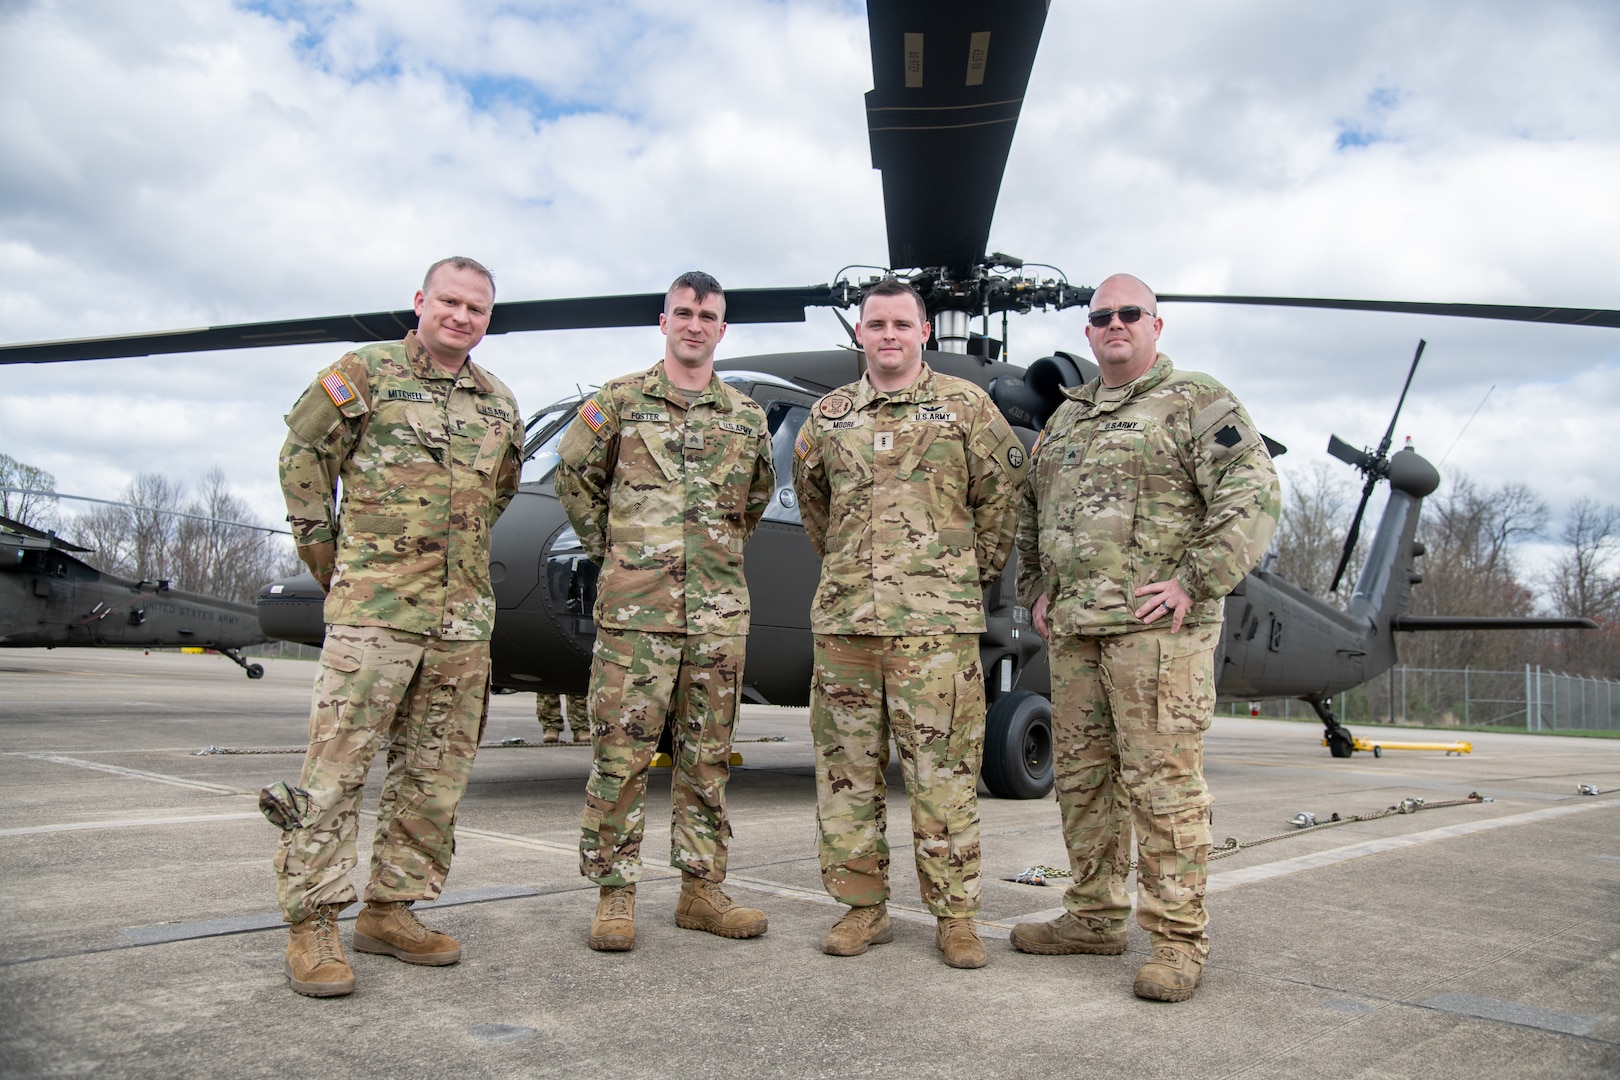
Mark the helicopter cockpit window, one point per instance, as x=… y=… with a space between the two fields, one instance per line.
x=542 y=435
x=784 y=418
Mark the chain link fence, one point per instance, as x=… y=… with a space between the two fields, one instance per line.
x=1528 y=700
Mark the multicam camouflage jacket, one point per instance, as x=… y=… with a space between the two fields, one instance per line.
x=909 y=497
x=427 y=461
x=1165 y=478
x=664 y=492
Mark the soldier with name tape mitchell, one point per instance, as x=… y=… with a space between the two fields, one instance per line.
x=426 y=446
x=664 y=474
x=907 y=483
x=1150 y=496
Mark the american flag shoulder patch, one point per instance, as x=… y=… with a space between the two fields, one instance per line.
x=1037 y=447
x=801 y=446
x=592 y=414
x=337 y=388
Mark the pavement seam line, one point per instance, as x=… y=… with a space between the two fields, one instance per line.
x=177 y=819
x=138 y=774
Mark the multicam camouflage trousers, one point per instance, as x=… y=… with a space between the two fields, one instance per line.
x=930 y=692
x=553 y=713
x=1128 y=719
x=427 y=699
x=638 y=680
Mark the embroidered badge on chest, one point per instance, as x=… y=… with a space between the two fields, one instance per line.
x=835 y=405
x=936 y=415
x=694 y=440
x=407 y=395
x=647 y=417
x=884 y=441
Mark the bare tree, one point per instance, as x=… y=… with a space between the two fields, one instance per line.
x=1585 y=580
x=39 y=511
x=1317 y=505
x=152 y=538
x=1472 y=535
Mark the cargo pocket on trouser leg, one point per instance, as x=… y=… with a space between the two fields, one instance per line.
x=1186 y=683
x=1175 y=863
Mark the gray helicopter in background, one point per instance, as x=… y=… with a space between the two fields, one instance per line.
x=940 y=133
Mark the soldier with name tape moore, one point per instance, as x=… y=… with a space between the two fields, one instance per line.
x=907 y=482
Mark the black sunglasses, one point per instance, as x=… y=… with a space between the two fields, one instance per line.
x=1127 y=315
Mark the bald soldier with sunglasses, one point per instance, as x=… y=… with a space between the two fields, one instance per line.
x=1149 y=497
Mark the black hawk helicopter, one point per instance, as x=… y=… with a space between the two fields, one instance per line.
x=949 y=82
x=50 y=598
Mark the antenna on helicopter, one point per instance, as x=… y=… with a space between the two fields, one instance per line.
x=1373 y=465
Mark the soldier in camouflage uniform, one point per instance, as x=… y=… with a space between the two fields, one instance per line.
x=552 y=712
x=664 y=475
x=427 y=446
x=907 y=482
x=1150 y=496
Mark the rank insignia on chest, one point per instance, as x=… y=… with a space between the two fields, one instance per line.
x=407 y=395
x=694 y=441
x=337 y=388
x=594 y=417
x=936 y=415
x=883 y=441
x=835 y=405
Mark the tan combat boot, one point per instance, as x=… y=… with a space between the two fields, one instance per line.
x=614 y=928
x=1068 y=933
x=315 y=964
x=1172 y=973
x=703 y=906
x=393 y=930
x=860 y=927
x=959 y=941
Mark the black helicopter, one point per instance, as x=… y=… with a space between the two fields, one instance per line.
x=50 y=598
x=950 y=78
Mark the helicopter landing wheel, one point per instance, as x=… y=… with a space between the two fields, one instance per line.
x=254 y=671
x=1340 y=744
x=1018 y=746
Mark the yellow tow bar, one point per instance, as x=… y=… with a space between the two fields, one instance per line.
x=1377 y=748
x=661 y=760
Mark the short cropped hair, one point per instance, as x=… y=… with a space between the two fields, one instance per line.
x=459 y=262
x=702 y=285
x=895 y=287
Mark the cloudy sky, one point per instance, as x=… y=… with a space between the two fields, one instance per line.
x=190 y=162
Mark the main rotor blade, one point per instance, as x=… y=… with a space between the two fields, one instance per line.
x=577 y=313
x=1507 y=312
x=948 y=79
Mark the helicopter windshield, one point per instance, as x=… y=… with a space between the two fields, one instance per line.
x=541 y=436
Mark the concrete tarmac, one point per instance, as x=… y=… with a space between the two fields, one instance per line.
x=140 y=935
